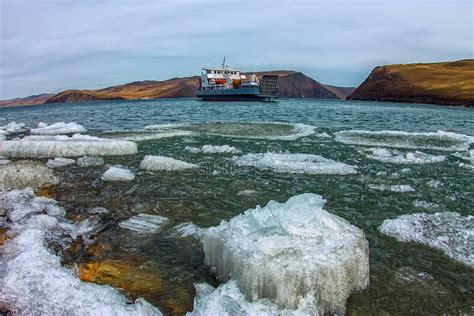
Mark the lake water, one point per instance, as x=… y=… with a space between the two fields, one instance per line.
x=439 y=180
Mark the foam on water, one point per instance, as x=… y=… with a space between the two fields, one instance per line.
x=32 y=279
x=64 y=146
x=22 y=174
x=228 y=300
x=59 y=128
x=290 y=251
x=145 y=223
x=210 y=149
x=90 y=161
x=449 y=232
x=393 y=188
x=60 y=162
x=397 y=157
x=294 y=163
x=440 y=140
x=157 y=163
x=116 y=173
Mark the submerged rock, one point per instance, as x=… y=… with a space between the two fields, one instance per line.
x=59 y=128
x=60 y=162
x=294 y=163
x=64 y=146
x=156 y=163
x=33 y=273
x=449 y=232
x=289 y=252
x=22 y=174
x=115 y=173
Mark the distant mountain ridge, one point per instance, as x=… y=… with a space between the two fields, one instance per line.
x=292 y=84
x=445 y=83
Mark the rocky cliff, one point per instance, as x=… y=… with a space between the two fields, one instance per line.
x=446 y=83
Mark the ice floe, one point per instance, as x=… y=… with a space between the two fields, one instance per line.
x=150 y=136
x=33 y=281
x=210 y=149
x=145 y=223
x=90 y=161
x=289 y=252
x=156 y=163
x=393 y=188
x=59 y=128
x=397 y=157
x=60 y=162
x=22 y=174
x=64 y=146
x=14 y=127
x=294 y=163
x=228 y=300
x=434 y=183
x=116 y=173
x=440 y=140
x=165 y=126
x=449 y=232
x=425 y=205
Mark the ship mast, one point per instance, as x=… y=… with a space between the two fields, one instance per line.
x=223 y=64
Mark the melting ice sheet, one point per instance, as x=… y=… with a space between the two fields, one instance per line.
x=64 y=146
x=290 y=251
x=294 y=163
x=449 y=232
x=145 y=223
x=440 y=140
x=32 y=280
x=59 y=128
x=397 y=157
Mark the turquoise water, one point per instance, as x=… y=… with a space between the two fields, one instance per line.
x=206 y=198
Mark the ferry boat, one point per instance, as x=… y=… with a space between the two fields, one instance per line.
x=228 y=84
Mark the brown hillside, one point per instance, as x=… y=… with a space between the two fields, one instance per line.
x=446 y=83
x=31 y=100
x=70 y=96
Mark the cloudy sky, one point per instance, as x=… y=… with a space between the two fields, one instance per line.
x=52 y=45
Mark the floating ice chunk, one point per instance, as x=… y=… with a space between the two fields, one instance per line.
x=32 y=273
x=3 y=134
x=210 y=149
x=145 y=223
x=440 y=140
x=299 y=130
x=22 y=174
x=164 y=126
x=150 y=136
x=115 y=173
x=59 y=128
x=14 y=127
x=294 y=163
x=425 y=205
x=397 y=157
x=246 y=192
x=60 y=162
x=4 y=161
x=449 y=232
x=187 y=229
x=42 y=125
x=393 y=188
x=155 y=163
x=90 y=161
x=228 y=300
x=323 y=135
x=64 y=146
x=290 y=251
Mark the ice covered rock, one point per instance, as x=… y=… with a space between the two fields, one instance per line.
x=392 y=188
x=14 y=127
x=22 y=174
x=64 y=146
x=397 y=157
x=145 y=223
x=155 y=163
x=31 y=272
x=210 y=149
x=60 y=162
x=116 y=173
x=89 y=161
x=294 y=163
x=290 y=251
x=440 y=140
x=59 y=128
x=449 y=232
x=228 y=300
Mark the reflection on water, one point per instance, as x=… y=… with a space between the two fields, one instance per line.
x=405 y=278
